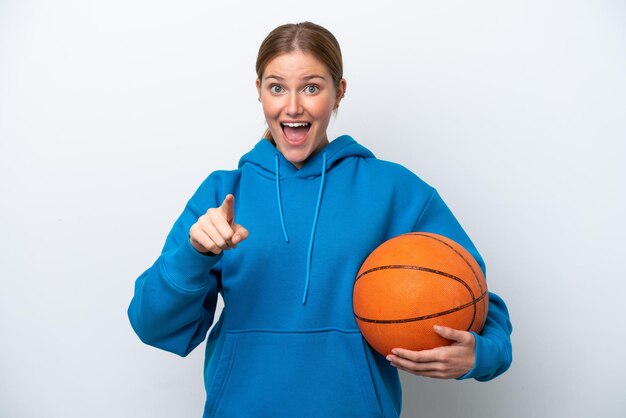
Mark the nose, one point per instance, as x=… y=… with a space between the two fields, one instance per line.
x=294 y=105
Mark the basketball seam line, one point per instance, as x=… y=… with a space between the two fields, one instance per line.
x=419 y=268
x=453 y=249
x=480 y=287
x=424 y=317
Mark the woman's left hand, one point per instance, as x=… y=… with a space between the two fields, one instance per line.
x=447 y=362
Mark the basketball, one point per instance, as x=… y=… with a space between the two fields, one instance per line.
x=413 y=282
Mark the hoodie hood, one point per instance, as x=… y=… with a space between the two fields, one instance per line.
x=262 y=157
x=269 y=162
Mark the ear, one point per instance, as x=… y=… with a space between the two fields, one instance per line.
x=341 y=92
x=258 y=87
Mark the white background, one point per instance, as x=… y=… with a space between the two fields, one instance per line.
x=113 y=112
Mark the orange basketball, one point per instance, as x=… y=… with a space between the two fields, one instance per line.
x=413 y=282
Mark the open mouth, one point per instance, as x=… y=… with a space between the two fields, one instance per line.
x=295 y=132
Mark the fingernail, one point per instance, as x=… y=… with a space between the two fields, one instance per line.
x=388 y=358
x=437 y=328
x=394 y=351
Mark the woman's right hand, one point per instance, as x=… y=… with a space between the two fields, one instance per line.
x=216 y=230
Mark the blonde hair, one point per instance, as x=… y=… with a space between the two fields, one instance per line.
x=305 y=37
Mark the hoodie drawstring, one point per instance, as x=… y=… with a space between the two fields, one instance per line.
x=314 y=226
x=312 y=239
x=280 y=205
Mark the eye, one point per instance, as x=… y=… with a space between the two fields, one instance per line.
x=311 y=89
x=275 y=88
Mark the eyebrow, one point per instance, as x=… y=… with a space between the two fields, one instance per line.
x=305 y=78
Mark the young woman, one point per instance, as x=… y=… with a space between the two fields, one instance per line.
x=281 y=239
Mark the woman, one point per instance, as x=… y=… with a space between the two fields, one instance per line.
x=281 y=239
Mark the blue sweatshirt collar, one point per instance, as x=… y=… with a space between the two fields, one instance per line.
x=261 y=157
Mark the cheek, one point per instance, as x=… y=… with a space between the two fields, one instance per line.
x=323 y=108
x=270 y=110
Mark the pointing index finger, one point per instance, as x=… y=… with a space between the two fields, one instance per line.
x=228 y=207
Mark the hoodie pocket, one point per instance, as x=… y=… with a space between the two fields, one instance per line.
x=320 y=373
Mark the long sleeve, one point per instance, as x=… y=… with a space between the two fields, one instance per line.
x=175 y=299
x=493 y=344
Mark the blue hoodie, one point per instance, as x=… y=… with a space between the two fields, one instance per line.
x=286 y=343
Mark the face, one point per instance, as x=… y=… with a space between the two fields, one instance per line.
x=298 y=96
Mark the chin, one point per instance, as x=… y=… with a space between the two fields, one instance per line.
x=296 y=157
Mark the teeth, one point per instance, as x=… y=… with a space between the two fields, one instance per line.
x=296 y=125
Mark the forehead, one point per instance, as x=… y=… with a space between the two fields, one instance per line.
x=295 y=65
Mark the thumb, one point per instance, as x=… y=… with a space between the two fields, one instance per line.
x=453 y=334
x=228 y=208
x=240 y=233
